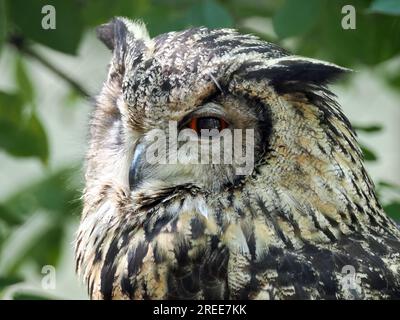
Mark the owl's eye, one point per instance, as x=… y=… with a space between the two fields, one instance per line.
x=207 y=123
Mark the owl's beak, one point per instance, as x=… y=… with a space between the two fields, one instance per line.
x=135 y=175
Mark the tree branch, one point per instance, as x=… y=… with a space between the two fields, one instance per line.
x=20 y=45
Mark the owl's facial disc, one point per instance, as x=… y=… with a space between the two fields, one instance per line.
x=211 y=147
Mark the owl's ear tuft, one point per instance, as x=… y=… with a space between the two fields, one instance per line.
x=305 y=70
x=115 y=33
x=293 y=69
x=126 y=38
x=112 y=34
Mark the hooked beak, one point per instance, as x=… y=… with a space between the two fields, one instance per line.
x=135 y=172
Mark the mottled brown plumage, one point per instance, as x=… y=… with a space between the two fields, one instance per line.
x=286 y=231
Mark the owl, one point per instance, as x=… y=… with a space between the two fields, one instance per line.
x=299 y=220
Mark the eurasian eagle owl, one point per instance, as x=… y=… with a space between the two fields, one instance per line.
x=298 y=224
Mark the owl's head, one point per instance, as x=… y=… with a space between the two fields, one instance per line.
x=208 y=144
x=209 y=109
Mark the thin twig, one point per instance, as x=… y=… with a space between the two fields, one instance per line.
x=19 y=43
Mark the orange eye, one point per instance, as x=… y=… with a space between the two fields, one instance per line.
x=207 y=123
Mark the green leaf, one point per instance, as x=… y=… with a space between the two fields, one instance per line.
x=369 y=155
x=32 y=140
x=393 y=210
x=98 y=12
x=394 y=80
x=252 y=8
x=297 y=17
x=210 y=14
x=3 y=22
x=28 y=296
x=389 y=185
x=369 y=129
x=9 y=217
x=23 y=81
x=375 y=39
x=8 y=281
x=56 y=193
x=21 y=241
x=27 y=16
x=21 y=133
x=162 y=18
x=47 y=205
x=391 y=7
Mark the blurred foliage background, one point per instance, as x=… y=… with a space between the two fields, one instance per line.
x=39 y=212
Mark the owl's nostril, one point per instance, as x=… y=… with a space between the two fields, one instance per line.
x=135 y=175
